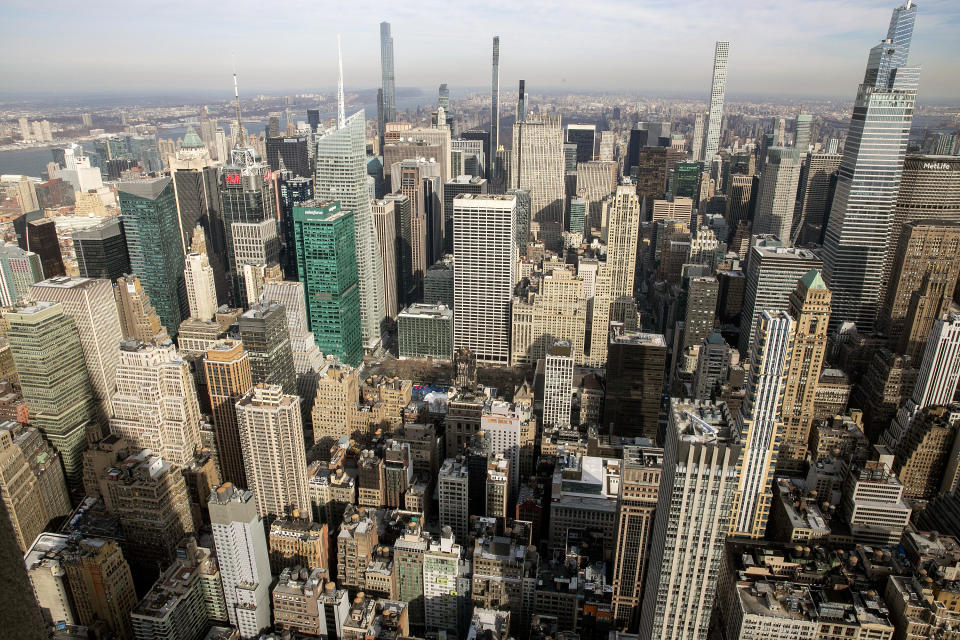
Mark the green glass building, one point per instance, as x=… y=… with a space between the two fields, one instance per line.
x=327 y=265
x=686 y=180
x=53 y=377
x=152 y=228
x=578 y=215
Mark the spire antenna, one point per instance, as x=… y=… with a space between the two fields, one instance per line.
x=341 y=110
x=236 y=95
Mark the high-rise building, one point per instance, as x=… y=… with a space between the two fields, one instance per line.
x=327 y=264
x=923 y=463
x=154 y=243
x=293 y=192
x=425 y=331
x=266 y=338
x=385 y=222
x=777 y=197
x=810 y=309
x=455 y=186
x=241 y=545
x=635 y=366
x=92 y=305
x=408 y=555
x=54 y=380
x=815 y=194
x=445 y=580
x=701 y=302
x=537 y=164
x=494 y=170
x=484 y=275
x=640 y=474
x=289 y=152
x=101 y=250
x=761 y=424
x=338 y=390
x=453 y=486
x=18 y=270
x=717 y=90
x=256 y=249
x=622 y=225
x=558 y=385
x=227 y=369
x=694 y=499
x=584 y=136
x=306 y=355
x=342 y=176
x=138 y=319
x=42 y=239
x=387 y=104
x=858 y=231
x=925 y=270
x=199 y=280
x=271 y=438
x=772 y=273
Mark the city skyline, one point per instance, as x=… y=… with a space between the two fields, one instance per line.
x=672 y=53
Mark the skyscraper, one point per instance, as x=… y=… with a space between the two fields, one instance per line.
x=102 y=250
x=484 y=275
x=199 y=280
x=18 y=270
x=327 y=265
x=388 y=109
x=92 y=305
x=761 y=424
x=266 y=338
x=385 y=221
x=814 y=195
x=858 y=231
x=635 y=366
x=537 y=164
x=584 y=136
x=494 y=170
x=777 y=197
x=155 y=247
x=227 y=369
x=271 y=437
x=342 y=176
x=241 y=545
x=557 y=385
x=717 y=90
x=54 y=379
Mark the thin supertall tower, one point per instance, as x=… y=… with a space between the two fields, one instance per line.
x=492 y=164
x=860 y=225
x=717 y=91
x=388 y=107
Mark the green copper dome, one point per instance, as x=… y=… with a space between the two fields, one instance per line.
x=191 y=140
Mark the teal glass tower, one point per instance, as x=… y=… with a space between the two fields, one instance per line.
x=327 y=265
x=152 y=227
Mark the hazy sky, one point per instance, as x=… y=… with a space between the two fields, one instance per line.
x=800 y=47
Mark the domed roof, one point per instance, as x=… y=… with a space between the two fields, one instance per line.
x=191 y=140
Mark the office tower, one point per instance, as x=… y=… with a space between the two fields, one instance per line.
x=925 y=270
x=92 y=305
x=445 y=579
x=313 y=119
x=256 y=247
x=557 y=312
x=197 y=193
x=41 y=236
x=640 y=474
x=583 y=135
x=54 y=380
x=872 y=503
x=484 y=244
x=453 y=489
x=154 y=243
x=408 y=554
x=494 y=170
x=772 y=273
x=696 y=144
x=249 y=195
x=289 y=153
x=685 y=181
x=801 y=135
x=306 y=356
x=338 y=391
x=497 y=487
x=679 y=209
x=388 y=110
x=18 y=270
x=578 y=216
x=937 y=380
x=341 y=176
x=522 y=103
x=23 y=618
x=459 y=184
x=717 y=90
x=622 y=225
x=923 y=461
x=557 y=386
x=521 y=233
x=502 y=423
x=265 y=337
x=815 y=195
x=385 y=222
x=199 y=280
x=327 y=265
x=810 y=309
x=242 y=554
x=761 y=423
x=31 y=482
x=412 y=174
x=101 y=250
x=858 y=231
x=536 y=164
x=155 y=405
x=138 y=319
x=713 y=366
x=271 y=438
x=595 y=181
x=227 y=369
x=777 y=197
x=654 y=165
x=739 y=197
x=694 y=500
x=929 y=191
x=425 y=331
x=356 y=542
x=606 y=146
x=635 y=365
x=701 y=311
x=293 y=192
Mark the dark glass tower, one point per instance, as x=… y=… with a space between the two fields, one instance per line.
x=293 y=151
x=266 y=338
x=42 y=240
x=293 y=191
x=102 y=250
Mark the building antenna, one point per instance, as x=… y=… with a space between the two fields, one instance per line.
x=341 y=111
x=236 y=94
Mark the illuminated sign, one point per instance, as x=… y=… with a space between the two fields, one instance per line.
x=234 y=178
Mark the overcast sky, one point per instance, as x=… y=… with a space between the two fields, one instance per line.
x=791 y=47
